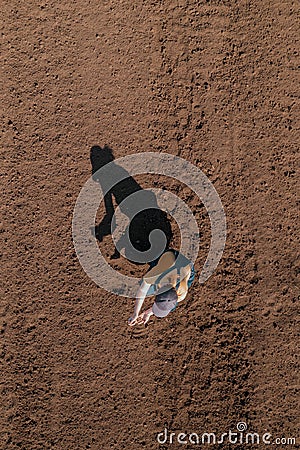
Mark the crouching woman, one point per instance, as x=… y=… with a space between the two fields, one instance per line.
x=169 y=278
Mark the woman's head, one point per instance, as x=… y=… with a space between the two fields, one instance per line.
x=165 y=301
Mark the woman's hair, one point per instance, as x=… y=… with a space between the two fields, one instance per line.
x=167 y=296
x=165 y=302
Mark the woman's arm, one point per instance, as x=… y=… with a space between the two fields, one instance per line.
x=140 y=297
x=183 y=287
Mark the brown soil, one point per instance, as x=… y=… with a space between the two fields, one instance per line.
x=215 y=82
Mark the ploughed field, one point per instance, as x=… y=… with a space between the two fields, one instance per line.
x=216 y=83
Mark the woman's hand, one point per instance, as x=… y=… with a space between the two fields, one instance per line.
x=141 y=319
x=133 y=320
x=146 y=315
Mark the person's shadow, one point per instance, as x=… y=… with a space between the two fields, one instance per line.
x=143 y=223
